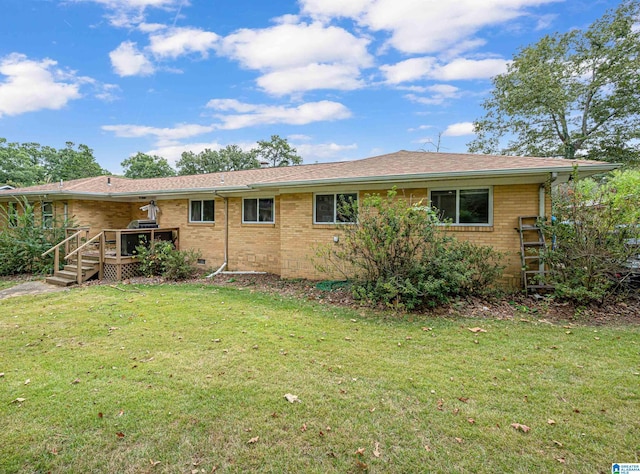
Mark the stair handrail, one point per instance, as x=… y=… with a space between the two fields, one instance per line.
x=90 y=241
x=63 y=242
x=56 y=248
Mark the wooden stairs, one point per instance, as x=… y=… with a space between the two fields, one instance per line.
x=532 y=245
x=69 y=275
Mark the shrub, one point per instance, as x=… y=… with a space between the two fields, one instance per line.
x=594 y=225
x=162 y=259
x=23 y=240
x=398 y=255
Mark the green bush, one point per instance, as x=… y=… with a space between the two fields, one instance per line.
x=23 y=240
x=162 y=259
x=594 y=224
x=398 y=255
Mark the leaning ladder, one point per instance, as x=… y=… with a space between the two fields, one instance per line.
x=532 y=245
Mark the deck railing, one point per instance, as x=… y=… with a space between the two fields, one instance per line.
x=76 y=237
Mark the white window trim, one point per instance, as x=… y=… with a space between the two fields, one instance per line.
x=191 y=221
x=257 y=221
x=335 y=207
x=457 y=190
x=44 y=216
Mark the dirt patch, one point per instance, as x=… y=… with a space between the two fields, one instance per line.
x=517 y=306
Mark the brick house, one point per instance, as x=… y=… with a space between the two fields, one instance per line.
x=270 y=219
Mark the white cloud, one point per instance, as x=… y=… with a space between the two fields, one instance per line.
x=311 y=77
x=288 y=46
x=408 y=70
x=323 y=152
x=299 y=137
x=428 y=68
x=127 y=60
x=108 y=92
x=128 y=13
x=470 y=69
x=32 y=85
x=163 y=136
x=459 y=129
x=175 y=42
x=325 y=9
x=424 y=26
x=440 y=93
x=173 y=152
x=249 y=115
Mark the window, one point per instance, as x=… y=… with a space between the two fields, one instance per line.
x=47 y=215
x=202 y=211
x=258 y=210
x=12 y=214
x=335 y=208
x=463 y=206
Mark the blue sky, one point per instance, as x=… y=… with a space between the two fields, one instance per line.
x=340 y=79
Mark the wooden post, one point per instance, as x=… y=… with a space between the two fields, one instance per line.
x=79 y=268
x=56 y=261
x=103 y=243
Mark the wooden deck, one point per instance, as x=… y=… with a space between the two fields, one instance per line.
x=110 y=254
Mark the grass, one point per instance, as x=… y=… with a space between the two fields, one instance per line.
x=192 y=378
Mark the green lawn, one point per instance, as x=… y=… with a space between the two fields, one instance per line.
x=192 y=378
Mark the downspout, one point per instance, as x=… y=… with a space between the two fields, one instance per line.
x=226 y=237
x=542 y=195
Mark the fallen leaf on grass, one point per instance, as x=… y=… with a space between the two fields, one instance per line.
x=292 y=398
x=557 y=443
x=304 y=427
x=120 y=434
x=1 y=374
x=362 y=466
x=518 y=426
x=561 y=460
x=154 y=463
x=253 y=440
x=463 y=399
x=27 y=382
x=477 y=330
x=551 y=422
x=18 y=400
x=100 y=415
x=427 y=448
x=359 y=451
x=376 y=450
x=471 y=420
x=427 y=329
x=76 y=381
x=459 y=440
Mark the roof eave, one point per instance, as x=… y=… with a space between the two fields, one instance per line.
x=435 y=176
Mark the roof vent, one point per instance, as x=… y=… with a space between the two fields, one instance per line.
x=264 y=164
x=108 y=181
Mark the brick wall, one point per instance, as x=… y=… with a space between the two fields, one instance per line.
x=255 y=247
x=99 y=215
x=287 y=246
x=299 y=235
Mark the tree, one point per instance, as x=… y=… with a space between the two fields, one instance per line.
x=20 y=164
x=230 y=158
x=68 y=164
x=142 y=165
x=277 y=152
x=571 y=94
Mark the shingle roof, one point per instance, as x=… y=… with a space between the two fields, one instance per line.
x=399 y=165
